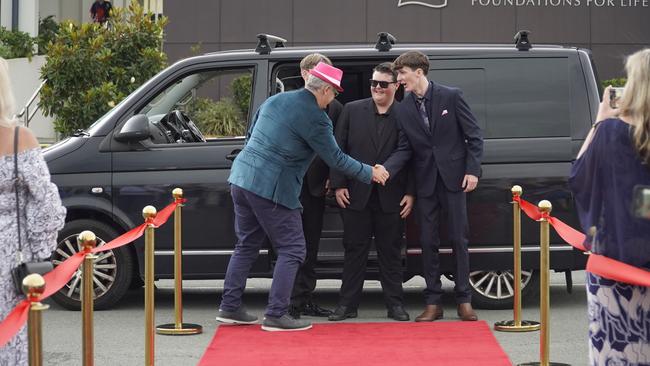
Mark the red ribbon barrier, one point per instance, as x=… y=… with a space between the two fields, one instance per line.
x=59 y=276
x=617 y=271
x=121 y=240
x=596 y=264
x=529 y=209
x=572 y=236
x=14 y=321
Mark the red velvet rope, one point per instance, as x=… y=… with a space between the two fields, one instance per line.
x=59 y=276
x=14 y=321
x=596 y=264
x=529 y=209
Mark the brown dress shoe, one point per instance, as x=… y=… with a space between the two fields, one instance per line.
x=466 y=313
x=431 y=313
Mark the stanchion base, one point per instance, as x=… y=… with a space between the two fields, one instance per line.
x=185 y=329
x=509 y=326
x=540 y=364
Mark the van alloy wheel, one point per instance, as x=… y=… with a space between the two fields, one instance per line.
x=103 y=274
x=495 y=289
x=113 y=272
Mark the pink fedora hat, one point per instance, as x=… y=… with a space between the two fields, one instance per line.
x=328 y=74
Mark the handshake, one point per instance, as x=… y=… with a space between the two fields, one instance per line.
x=380 y=174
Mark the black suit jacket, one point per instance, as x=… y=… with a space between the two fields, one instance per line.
x=452 y=147
x=318 y=171
x=357 y=137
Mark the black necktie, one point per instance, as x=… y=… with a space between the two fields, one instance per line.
x=423 y=112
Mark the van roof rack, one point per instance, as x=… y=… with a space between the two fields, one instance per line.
x=385 y=41
x=521 y=40
x=264 y=43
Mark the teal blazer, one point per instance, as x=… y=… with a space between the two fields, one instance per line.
x=287 y=131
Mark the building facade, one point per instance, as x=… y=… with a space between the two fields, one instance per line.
x=610 y=28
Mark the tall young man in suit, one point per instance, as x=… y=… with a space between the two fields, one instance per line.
x=265 y=182
x=367 y=131
x=312 y=198
x=439 y=133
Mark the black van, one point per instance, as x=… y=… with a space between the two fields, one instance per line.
x=535 y=107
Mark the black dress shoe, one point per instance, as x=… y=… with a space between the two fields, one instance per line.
x=341 y=313
x=397 y=312
x=295 y=311
x=311 y=309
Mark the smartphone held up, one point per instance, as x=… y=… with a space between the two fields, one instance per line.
x=615 y=95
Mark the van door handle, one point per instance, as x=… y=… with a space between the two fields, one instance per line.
x=233 y=154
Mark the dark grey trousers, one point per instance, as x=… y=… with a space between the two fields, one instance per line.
x=257 y=218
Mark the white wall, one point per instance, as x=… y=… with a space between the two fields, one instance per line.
x=25 y=79
x=5 y=13
x=70 y=10
x=49 y=7
x=28 y=17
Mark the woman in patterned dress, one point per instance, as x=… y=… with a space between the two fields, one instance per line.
x=41 y=212
x=613 y=160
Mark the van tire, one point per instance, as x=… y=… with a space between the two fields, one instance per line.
x=487 y=298
x=116 y=268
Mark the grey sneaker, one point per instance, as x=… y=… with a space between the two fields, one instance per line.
x=236 y=317
x=285 y=323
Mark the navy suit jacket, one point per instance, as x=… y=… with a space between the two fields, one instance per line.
x=452 y=147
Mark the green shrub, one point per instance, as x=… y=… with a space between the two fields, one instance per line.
x=616 y=82
x=217 y=119
x=15 y=44
x=90 y=68
x=241 y=91
x=48 y=28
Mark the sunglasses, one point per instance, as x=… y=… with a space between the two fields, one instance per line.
x=382 y=84
x=336 y=92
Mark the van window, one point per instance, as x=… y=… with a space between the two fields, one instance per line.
x=512 y=97
x=217 y=101
x=471 y=82
x=356 y=76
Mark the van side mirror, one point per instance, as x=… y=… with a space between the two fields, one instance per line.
x=135 y=129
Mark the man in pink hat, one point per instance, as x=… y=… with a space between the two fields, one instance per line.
x=288 y=130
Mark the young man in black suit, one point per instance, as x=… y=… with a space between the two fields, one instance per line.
x=312 y=198
x=367 y=131
x=439 y=135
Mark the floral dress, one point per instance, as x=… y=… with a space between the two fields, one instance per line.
x=603 y=181
x=42 y=215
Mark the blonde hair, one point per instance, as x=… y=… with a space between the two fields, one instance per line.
x=7 y=101
x=635 y=102
x=310 y=61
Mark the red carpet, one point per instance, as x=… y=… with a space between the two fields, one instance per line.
x=358 y=344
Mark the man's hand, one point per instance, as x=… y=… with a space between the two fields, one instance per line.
x=469 y=183
x=380 y=174
x=407 y=205
x=343 y=197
